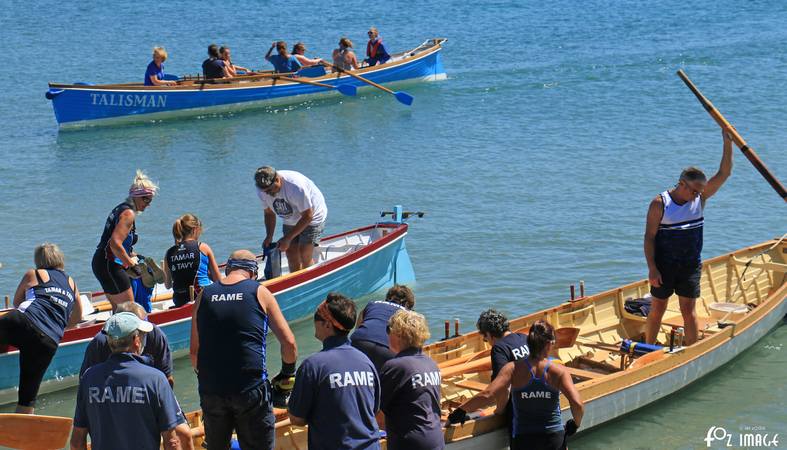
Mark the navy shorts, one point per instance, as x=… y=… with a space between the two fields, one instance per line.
x=110 y=275
x=682 y=279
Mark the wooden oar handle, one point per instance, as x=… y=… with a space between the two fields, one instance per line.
x=357 y=77
x=750 y=154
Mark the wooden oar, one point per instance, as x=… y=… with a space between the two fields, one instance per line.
x=28 y=431
x=751 y=155
x=344 y=89
x=403 y=97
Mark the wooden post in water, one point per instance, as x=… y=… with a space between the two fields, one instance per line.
x=581 y=289
x=6 y=302
x=447 y=329
x=456 y=327
x=571 y=287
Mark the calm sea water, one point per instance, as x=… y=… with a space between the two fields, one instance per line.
x=535 y=160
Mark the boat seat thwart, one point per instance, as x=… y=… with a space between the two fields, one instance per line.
x=33 y=432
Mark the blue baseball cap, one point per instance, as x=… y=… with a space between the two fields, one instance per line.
x=122 y=324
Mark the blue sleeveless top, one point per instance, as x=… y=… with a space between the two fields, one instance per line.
x=375 y=320
x=48 y=305
x=232 y=331
x=536 y=406
x=679 y=239
x=109 y=228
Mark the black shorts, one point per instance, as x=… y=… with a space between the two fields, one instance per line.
x=376 y=353
x=682 y=279
x=36 y=351
x=111 y=276
x=541 y=441
x=249 y=414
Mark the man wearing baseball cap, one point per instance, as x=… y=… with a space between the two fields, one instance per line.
x=301 y=206
x=123 y=403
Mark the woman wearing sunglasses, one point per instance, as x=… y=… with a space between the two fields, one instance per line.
x=115 y=251
x=375 y=50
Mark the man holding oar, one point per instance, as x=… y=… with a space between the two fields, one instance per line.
x=673 y=243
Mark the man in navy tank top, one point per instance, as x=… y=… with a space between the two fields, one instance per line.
x=673 y=243
x=229 y=327
x=337 y=390
x=125 y=404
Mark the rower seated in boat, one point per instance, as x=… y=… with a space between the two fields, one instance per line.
x=154 y=74
x=214 y=66
x=337 y=390
x=46 y=302
x=673 y=243
x=344 y=56
x=283 y=62
x=375 y=50
x=228 y=349
x=535 y=385
x=232 y=70
x=189 y=263
x=410 y=384
x=298 y=51
x=156 y=349
x=125 y=404
x=370 y=336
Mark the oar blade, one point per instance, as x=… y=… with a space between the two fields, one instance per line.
x=347 y=89
x=404 y=98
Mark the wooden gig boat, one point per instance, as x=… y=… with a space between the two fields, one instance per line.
x=612 y=383
x=84 y=104
x=356 y=263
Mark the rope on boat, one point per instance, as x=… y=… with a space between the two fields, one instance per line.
x=748 y=264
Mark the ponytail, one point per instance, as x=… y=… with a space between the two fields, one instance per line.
x=186 y=226
x=540 y=335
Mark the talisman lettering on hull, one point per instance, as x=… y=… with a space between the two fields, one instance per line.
x=144 y=100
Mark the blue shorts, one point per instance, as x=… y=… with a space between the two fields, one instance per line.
x=310 y=235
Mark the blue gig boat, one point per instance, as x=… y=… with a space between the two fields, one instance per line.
x=356 y=263
x=82 y=104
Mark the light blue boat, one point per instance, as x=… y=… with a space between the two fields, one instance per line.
x=356 y=263
x=83 y=104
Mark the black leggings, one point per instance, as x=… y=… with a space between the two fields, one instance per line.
x=111 y=276
x=35 y=353
x=540 y=441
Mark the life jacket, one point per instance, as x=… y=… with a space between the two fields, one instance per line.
x=371 y=49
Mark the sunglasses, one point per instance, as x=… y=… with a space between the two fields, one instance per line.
x=147 y=200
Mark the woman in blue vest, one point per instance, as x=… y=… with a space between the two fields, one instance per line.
x=115 y=251
x=189 y=262
x=370 y=337
x=535 y=385
x=283 y=62
x=46 y=302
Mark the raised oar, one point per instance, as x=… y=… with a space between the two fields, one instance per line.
x=345 y=89
x=403 y=97
x=751 y=155
x=34 y=432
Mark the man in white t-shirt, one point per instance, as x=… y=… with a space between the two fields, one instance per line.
x=300 y=204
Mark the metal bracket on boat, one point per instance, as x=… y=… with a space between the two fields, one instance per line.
x=52 y=93
x=399 y=215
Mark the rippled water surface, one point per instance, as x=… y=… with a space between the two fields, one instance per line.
x=535 y=160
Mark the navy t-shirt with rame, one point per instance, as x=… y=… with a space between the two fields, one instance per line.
x=411 y=402
x=509 y=348
x=375 y=320
x=156 y=349
x=337 y=391
x=125 y=404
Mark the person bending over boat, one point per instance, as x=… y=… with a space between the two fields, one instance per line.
x=46 y=302
x=337 y=390
x=371 y=337
x=298 y=51
x=232 y=69
x=673 y=243
x=125 y=404
x=300 y=204
x=375 y=50
x=214 y=66
x=156 y=349
x=114 y=254
x=410 y=385
x=344 y=57
x=189 y=263
x=154 y=75
x=506 y=346
x=228 y=347
x=535 y=385
x=283 y=62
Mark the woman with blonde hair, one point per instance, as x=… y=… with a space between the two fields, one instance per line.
x=46 y=302
x=344 y=56
x=154 y=74
x=535 y=385
x=189 y=263
x=114 y=254
x=410 y=384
